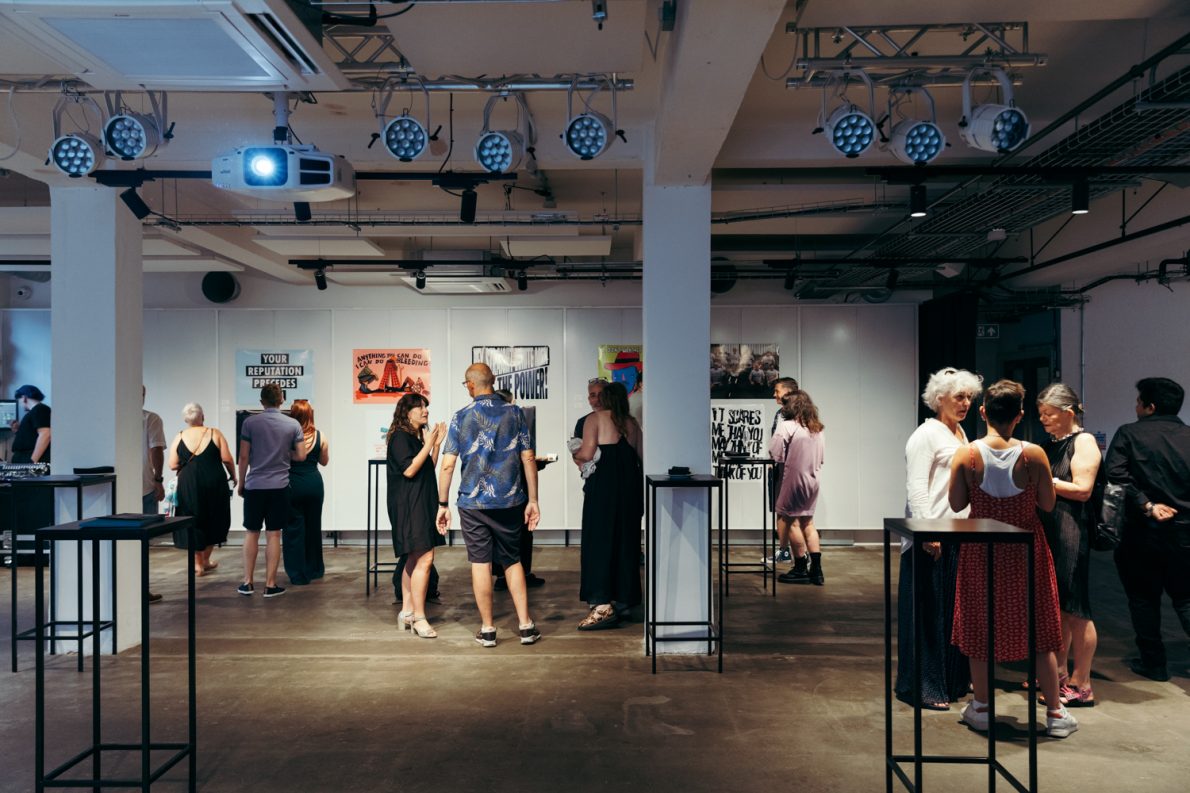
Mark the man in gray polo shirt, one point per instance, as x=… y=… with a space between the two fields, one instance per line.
x=269 y=441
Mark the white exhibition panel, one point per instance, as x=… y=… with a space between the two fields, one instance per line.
x=858 y=362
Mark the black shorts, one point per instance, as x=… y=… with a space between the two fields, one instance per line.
x=270 y=507
x=493 y=535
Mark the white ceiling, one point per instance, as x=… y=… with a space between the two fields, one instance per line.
x=710 y=94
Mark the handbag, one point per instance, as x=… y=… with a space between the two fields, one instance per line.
x=1107 y=514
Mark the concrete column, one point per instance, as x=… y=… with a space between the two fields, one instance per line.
x=96 y=343
x=677 y=409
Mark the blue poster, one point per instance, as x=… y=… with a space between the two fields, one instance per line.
x=293 y=370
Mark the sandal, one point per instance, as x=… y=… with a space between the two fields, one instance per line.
x=405 y=619
x=601 y=617
x=427 y=632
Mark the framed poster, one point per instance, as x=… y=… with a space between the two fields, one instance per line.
x=522 y=370
x=293 y=370
x=381 y=376
x=744 y=371
x=623 y=363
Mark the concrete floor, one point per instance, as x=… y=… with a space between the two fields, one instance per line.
x=318 y=691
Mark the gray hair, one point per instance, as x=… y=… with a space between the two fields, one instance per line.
x=192 y=414
x=1060 y=396
x=945 y=382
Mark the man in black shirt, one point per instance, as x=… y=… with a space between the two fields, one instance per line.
x=31 y=441
x=1150 y=458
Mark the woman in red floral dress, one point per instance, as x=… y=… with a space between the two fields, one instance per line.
x=1007 y=480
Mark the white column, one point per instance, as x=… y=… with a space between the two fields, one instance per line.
x=677 y=410
x=96 y=320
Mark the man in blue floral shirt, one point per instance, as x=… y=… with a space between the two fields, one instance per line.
x=491 y=438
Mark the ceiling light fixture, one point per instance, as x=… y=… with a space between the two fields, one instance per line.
x=849 y=128
x=590 y=133
x=320 y=279
x=404 y=136
x=75 y=154
x=1080 y=197
x=890 y=283
x=301 y=211
x=918 y=201
x=522 y=281
x=998 y=128
x=419 y=279
x=130 y=135
x=599 y=12
x=915 y=141
x=468 y=205
x=135 y=203
x=501 y=151
x=790 y=278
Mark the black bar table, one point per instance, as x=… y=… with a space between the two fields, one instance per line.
x=713 y=625
x=956 y=530
x=53 y=779
x=78 y=482
x=764 y=568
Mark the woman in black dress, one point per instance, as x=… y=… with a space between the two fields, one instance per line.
x=1075 y=459
x=301 y=541
x=612 y=511
x=206 y=475
x=413 y=504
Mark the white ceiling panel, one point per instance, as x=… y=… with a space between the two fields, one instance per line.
x=558 y=246
x=305 y=246
x=192 y=264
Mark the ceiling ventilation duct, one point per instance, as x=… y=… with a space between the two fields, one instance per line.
x=225 y=45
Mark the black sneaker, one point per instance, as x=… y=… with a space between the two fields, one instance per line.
x=501 y=584
x=486 y=638
x=533 y=581
x=246 y=590
x=530 y=635
x=274 y=591
x=1152 y=672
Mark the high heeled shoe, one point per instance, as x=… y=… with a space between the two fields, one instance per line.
x=427 y=632
x=406 y=620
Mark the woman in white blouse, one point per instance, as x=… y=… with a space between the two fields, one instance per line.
x=928 y=453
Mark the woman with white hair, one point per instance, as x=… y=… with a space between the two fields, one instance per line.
x=206 y=476
x=928 y=454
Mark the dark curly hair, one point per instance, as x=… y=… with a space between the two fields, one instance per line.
x=401 y=415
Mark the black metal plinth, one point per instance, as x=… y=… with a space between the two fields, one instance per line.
x=68 y=532
x=768 y=521
x=56 y=627
x=987 y=532
x=713 y=625
x=373 y=567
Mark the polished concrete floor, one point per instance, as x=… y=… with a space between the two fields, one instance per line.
x=318 y=691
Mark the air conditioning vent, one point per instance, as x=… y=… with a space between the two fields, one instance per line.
x=460 y=280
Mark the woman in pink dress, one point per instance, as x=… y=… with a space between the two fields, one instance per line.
x=798 y=445
x=1007 y=480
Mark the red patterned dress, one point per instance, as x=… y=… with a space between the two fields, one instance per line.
x=970 y=613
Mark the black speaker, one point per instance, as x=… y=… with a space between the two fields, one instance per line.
x=220 y=287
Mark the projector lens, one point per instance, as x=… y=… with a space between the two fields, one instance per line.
x=265 y=167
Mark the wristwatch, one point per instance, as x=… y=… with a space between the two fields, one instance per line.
x=1148 y=509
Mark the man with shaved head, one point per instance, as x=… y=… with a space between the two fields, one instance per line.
x=491 y=439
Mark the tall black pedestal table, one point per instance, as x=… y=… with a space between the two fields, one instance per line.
x=764 y=567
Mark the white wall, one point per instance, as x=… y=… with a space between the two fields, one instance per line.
x=857 y=361
x=1130 y=331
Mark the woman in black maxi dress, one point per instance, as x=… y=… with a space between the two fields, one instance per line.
x=413 y=504
x=301 y=540
x=206 y=474
x=613 y=506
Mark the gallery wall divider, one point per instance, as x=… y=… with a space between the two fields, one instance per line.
x=857 y=361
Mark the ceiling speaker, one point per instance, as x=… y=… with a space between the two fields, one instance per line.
x=220 y=287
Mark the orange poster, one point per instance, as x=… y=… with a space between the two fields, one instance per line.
x=387 y=375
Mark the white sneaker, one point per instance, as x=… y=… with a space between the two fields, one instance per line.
x=1060 y=726
x=975 y=719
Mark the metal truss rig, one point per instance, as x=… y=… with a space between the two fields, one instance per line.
x=888 y=53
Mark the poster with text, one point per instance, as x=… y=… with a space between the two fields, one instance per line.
x=624 y=364
x=525 y=371
x=744 y=371
x=293 y=370
x=740 y=428
x=382 y=376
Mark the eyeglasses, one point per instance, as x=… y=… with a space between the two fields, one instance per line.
x=599 y=380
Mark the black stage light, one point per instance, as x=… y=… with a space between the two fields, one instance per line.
x=891 y=283
x=522 y=281
x=419 y=279
x=791 y=278
x=467 y=207
x=918 y=203
x=301 y=211
x=320 y=279
x=1080 y=197
x=135 y=203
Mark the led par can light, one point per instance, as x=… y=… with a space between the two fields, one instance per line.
x=499 y=151
x=405 y=138
x=588 y=135
x=850 y=130
x=75 y=154
x=998 y=128
x=130 y=136
x=915 y=141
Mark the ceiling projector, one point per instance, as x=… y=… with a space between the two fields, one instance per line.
x=282 y=172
